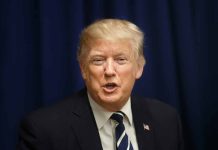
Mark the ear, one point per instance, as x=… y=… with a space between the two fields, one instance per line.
x=83 y=70
x=140 y=67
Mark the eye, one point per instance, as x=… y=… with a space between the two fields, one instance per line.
x=121 y=60
x=97 y=61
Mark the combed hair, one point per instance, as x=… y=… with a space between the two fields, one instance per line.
x=111 y=29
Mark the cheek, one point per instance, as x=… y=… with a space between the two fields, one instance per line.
x=94 y=74
x=128 y=72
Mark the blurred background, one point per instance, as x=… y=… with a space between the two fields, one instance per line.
x=38 y=67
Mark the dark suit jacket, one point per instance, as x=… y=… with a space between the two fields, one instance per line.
x=70 y=125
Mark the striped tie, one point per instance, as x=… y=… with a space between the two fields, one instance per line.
x=122 y=140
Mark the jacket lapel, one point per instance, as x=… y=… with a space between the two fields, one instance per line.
x=84 y=125
x=143 y=125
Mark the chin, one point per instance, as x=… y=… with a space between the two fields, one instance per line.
x=110 y=98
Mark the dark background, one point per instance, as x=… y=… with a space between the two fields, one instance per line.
x=38 y=42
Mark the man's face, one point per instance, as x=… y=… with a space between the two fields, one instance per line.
x=110 y=72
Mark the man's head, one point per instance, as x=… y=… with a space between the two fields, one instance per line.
x=111 y=58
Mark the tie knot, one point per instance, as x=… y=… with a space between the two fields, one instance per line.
x=118 y=116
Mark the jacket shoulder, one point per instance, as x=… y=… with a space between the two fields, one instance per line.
x=154 y=106
x=56 y=113
x=158 y=112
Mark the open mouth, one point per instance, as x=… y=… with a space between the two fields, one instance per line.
x=110 y=87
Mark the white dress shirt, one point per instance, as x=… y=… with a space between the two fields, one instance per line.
x=106 y=126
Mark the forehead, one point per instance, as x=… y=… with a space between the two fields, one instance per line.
x=110 y=47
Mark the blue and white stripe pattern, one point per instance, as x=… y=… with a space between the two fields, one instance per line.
x=122 y=140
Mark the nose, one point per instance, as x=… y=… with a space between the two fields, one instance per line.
x=109 y=68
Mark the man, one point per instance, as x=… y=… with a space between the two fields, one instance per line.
x=104 y=115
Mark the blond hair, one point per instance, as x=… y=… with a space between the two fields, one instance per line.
x=111 y=29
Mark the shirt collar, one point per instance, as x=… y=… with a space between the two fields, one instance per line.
x=102 y=115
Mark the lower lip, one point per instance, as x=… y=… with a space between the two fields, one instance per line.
x=110 y=90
